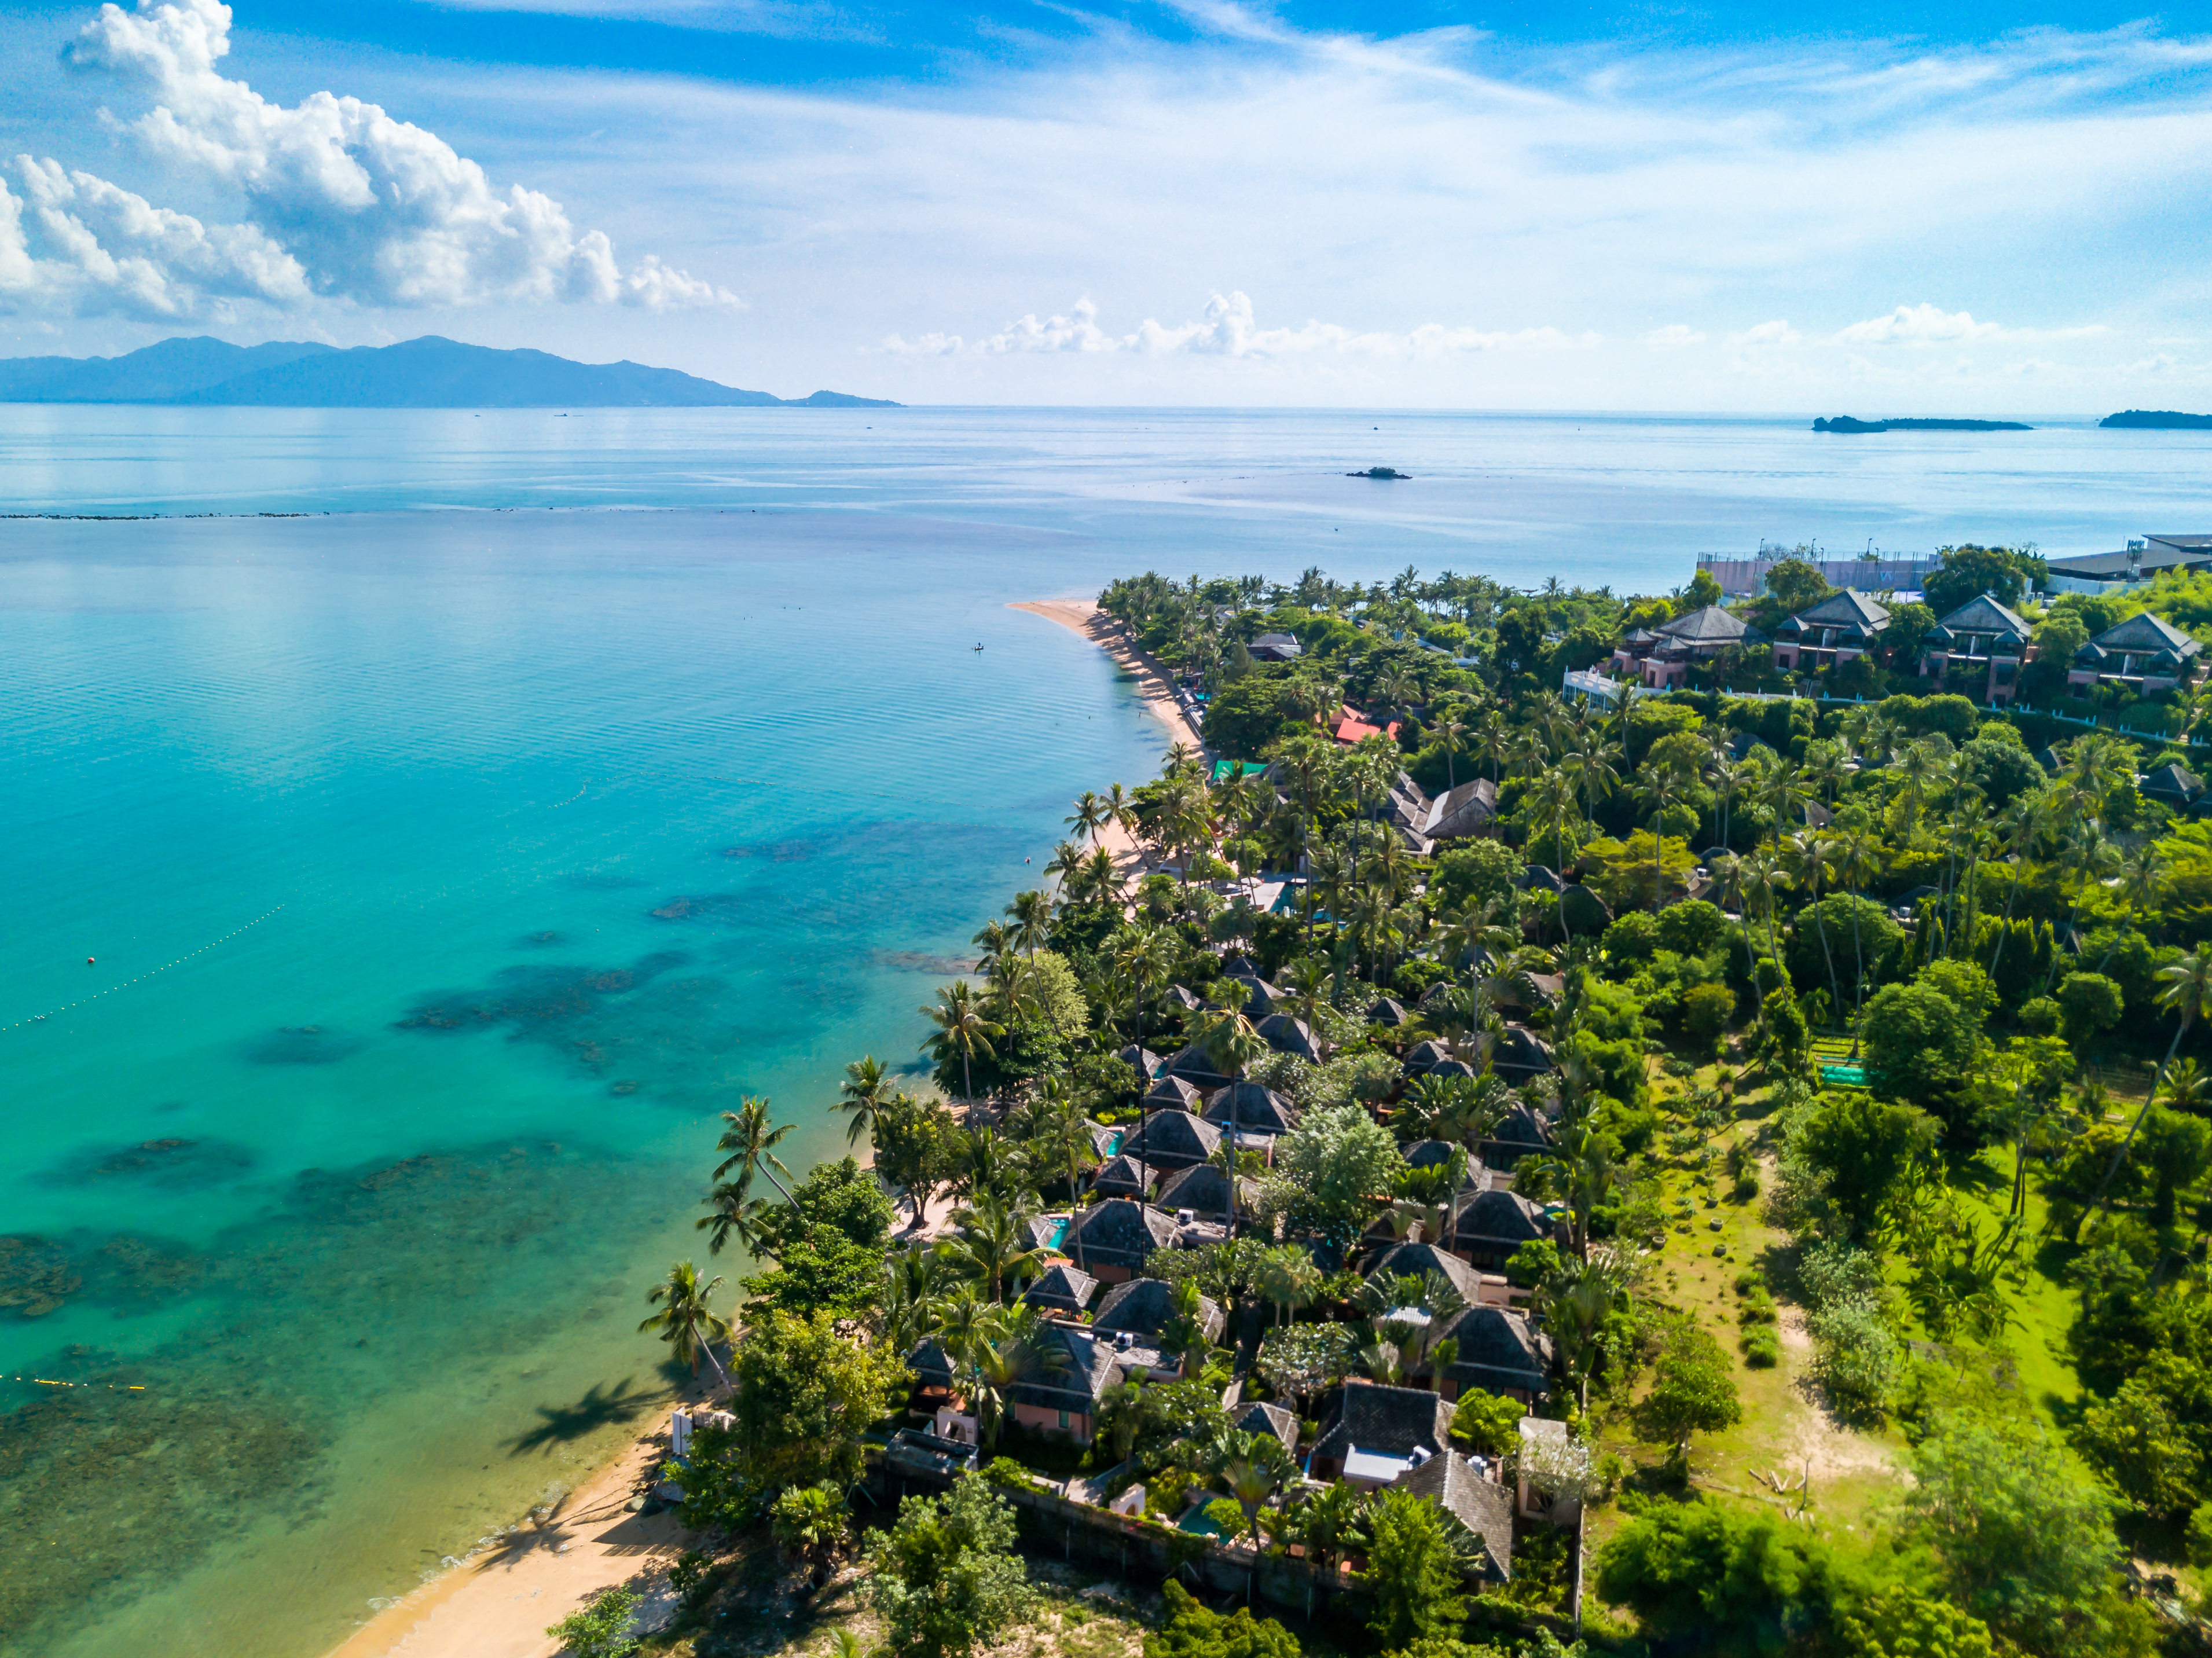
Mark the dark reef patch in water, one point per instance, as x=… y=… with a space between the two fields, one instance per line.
x=174 y=1163
x=429 y=1260
x=782 y=852
x=304 y=1044
x=124 y=1272
x=917 y=961
x=541 y=941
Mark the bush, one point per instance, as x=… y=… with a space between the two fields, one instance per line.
x=1488 y=1422
x=1192 y=1630
x=1706 y=1010
x=1762 y=1350
x=597 y=1628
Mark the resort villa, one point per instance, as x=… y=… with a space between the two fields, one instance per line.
x=1840 y=627
x=2145 y=653
x=1661 y=658
x=1978 y=650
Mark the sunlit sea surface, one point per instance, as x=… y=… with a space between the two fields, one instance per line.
x=397 y=892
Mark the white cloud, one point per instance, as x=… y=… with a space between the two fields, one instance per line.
x=341 y=201
x=1227 y=329
x=1918 y=325
x=1674 y=337
x=1778 y=332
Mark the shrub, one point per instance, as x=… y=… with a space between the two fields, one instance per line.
x=1192 y=1630
x=1706 y=1010
x=598 y=1629
x=1762 y=1350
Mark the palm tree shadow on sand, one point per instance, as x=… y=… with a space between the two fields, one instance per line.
x=597 y=1409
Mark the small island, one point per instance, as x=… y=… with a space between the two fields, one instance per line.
x=2157 y=420
x=1380 y=472
x=1846 y=423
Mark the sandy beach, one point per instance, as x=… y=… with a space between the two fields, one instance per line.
x=499 y=1603
x=1081 y=616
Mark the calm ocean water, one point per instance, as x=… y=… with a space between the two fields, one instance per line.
x=446 y=859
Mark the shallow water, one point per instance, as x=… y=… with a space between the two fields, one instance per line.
x=443 y=872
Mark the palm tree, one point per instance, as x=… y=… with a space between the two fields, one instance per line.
x=1807 y=853
x=1858 y=855
x=963 y=1029
x=2017 y=827
x=991 y=1241
x=685 y=1321
x=1451 y=734
x=1590 y=764
x=1066 y=1132
x=1254 y=1468
x=862 y=1094
x=1289 y=1279
x=733 y=1215
x=1231 y=1041
x=751 y=1144
x=2188 y=986
x=1092 y=814
x=1578 y=1168
x=2142 y=872
x=1662 y=789
x=1032 y=914
x=1493 y=738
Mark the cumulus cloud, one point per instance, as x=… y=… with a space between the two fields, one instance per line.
x=1928 y=325
x=1674 y=336
x=342 y=201
x=1227 y=328
x=1918 y=325
x=1778 y=332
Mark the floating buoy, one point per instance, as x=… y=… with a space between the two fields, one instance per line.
x=87 y=961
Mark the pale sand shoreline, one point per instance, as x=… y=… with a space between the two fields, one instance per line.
x=1081 y=616
x=499 y=1603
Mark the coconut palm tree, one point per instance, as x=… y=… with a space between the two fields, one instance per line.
x=751 y=1140
x=1592 y=765
x=1450 y=734
x=1289 y=1279
x=1577 y=1167
x=2142 y=873
x=685 y=1321
x=2188 y=987
x=1032 y=914
x=990 y=1241
x=862 y=1094
x=733 y=1214
x=1254 y=1468
x=962 y=1029
x=1092 y=814
x=1807 y=853
x=1663 y=788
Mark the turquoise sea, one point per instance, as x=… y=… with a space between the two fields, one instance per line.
x=399 y=887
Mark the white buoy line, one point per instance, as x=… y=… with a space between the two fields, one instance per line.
x=149 y=973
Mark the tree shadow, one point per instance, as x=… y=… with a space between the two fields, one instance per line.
x=597 y=1409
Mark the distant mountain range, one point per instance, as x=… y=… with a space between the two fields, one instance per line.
x=2158 y=420
x=1846 y=423
x=429 y=372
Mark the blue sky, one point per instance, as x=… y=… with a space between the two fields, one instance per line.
x=1718 y=206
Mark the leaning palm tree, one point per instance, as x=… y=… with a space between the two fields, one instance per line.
x=731 y=1214
x=862 y=1094
x=751 y=1141
x=685 y=1322
x=1092 y=814
x=962 y=1029
x=2188 y=987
